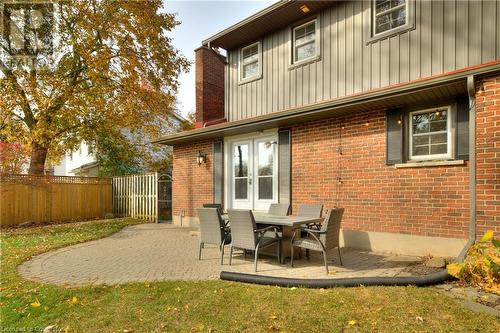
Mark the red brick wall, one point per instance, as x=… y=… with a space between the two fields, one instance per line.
x=192 y=183
x=430 y=201
x=209 y=73
x=488 y=155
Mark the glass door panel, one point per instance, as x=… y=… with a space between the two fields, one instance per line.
x=241 y=175
x=265 y=151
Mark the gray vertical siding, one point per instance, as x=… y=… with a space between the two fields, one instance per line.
x=448 y=35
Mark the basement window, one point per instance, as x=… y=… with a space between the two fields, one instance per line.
x=250 y=62
x=430 y=134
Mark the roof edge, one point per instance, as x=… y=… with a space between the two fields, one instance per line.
x=249 y=19
x=488 y=68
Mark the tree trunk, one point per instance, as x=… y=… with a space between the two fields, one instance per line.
x=38 y=157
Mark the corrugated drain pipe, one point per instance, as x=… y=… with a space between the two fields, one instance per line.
x=423 y=280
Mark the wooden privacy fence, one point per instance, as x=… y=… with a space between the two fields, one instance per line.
x=136 y=196
x=29 y=198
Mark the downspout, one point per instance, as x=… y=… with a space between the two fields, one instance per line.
x=471 y=89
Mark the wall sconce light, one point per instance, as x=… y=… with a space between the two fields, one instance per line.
x=201 y=158
x=305 y=9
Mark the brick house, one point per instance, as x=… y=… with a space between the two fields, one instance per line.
x=390 y=109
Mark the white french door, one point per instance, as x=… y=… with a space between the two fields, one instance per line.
x=253 y=173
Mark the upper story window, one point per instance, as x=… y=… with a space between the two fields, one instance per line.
x=430 y=134
x=389 y=14
x=250 y=62
x=305 y=41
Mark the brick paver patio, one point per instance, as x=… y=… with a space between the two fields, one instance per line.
x=156 y=252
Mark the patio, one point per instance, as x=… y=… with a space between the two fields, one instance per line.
x=160 y=252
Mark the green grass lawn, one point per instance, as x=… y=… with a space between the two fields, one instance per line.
x=209 y=306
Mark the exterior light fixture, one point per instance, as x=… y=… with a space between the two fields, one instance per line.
x=399 y=121
x=305 y=9
x=367 y=123
x=201 y=158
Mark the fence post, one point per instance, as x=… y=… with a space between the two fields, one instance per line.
x=157 y=219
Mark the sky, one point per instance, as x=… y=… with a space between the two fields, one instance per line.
x=200 y=20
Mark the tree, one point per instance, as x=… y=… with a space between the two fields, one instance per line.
x=13 y=157
x=111 y=66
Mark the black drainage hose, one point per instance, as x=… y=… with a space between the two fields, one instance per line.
x=423 y=280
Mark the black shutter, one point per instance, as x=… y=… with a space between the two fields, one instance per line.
x=284 y=166
x=218 y=172
x=462 y=129
x=394 y=136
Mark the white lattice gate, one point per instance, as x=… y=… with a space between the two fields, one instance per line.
x=136 y=196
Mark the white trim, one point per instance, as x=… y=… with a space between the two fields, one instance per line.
x=249 y=175
x=375 y=14
x=317 y=41
x=228 y=170
x=258 y=203
x=423 y=164
x=449 y=136
x=257 y=76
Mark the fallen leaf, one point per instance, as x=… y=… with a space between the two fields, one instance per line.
x=351 y=322
x=36 y=303
x=420 y=319
x=178 y=289
x=487 y=236
x=273 y=327
x=73 y=300
x=332 y=272
x=50 y=328
x=455 y=269
x=273 y=317
x=146 y=284
x=293 y=288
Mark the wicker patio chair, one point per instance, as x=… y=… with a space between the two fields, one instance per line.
x=213 y=230
x=311 y=211
x=279 y=209
x=246 y=236
x=321 y=240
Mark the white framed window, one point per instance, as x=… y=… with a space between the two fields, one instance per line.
x=430 y=134
x=250 y=62
x=389 y=15
x=305 y=41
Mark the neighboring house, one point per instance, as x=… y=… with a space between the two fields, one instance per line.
x=387 y=108
x=83 y=162
x=71 y=164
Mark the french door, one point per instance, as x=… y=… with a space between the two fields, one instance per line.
x=253 y=173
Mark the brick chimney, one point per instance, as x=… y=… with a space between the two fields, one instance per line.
x=209 y=74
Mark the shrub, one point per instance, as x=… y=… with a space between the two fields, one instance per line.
x=481 y=266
